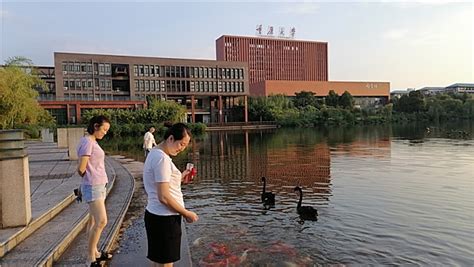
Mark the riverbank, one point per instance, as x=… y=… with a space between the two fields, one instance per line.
x=130 y=247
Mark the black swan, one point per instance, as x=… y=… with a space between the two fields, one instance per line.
x=268 y=198
x=305 y=212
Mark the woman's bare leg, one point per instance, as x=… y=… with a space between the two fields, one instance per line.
x=98 y=213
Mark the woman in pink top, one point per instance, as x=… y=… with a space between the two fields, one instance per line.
x=93 y=187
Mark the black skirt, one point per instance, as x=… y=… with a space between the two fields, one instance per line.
x=164 y=237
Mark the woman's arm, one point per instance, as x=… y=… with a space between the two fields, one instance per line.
x=165 y=197
x=81 y=168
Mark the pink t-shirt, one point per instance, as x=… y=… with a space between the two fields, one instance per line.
x=95 y=169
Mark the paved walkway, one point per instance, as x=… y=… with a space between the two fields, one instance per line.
x=131 y=249
x=52 y=178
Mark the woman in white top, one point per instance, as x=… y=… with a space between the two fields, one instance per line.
x=162 y=181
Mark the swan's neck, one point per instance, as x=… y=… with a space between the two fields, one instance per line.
x=264 y=185
x=301 y=198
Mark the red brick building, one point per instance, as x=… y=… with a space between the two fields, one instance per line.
x=276 y=59
x=286 y=66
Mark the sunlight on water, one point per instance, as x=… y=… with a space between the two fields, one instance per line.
x=381 y=199
x=386 y=195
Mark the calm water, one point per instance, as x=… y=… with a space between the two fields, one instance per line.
x=385 y=195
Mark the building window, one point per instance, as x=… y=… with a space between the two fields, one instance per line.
x=196 y=86
x=162 y=85
x=152 y=85
x=136 y=85
x=173 y=85
x=174 y=72
x=147 y=85
x=141 y=70
x=77 y=67
x=157 y=71
x=108 y=70
x=162 y=71
x=101 y=69
x=135 y=70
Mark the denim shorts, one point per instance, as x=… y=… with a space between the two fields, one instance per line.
x=93 y=192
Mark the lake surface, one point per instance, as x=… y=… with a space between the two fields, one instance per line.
x=401 y=195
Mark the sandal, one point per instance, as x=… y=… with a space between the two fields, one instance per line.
x=104 y=256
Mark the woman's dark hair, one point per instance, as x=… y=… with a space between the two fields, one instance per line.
x=96 y=121
x=177 y=130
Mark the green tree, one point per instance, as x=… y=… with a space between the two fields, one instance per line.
x=157 y=112
x=387 y=112
x=346 y=101
x=413 y=102
x=468 y=108
x=18 y=104
x=166 y=111
x=305 y=98
x=259 y=110
x=279 y=101
x=332 y=99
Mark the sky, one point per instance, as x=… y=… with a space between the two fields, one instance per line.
x=410 y=45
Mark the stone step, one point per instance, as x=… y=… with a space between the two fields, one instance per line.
x=48 y=198
x=51 y=238
x=117 y=204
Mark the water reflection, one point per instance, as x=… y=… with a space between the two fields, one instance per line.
x=227 y=191
x=287 y=158
x=386 y=195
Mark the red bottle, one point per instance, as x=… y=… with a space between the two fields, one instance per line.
x=192 y=172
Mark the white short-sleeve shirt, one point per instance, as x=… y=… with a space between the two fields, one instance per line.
x=148 y=140
x=159 y=168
